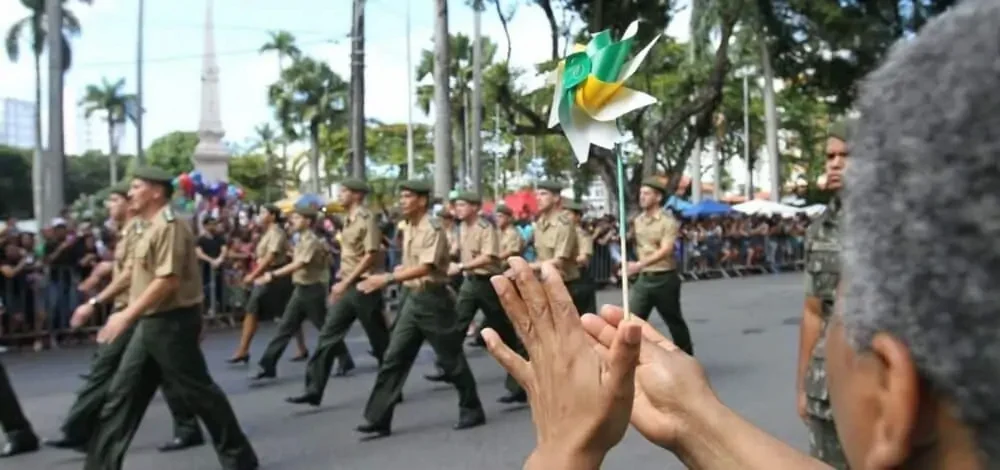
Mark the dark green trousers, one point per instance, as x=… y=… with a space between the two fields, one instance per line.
x=426 y=315
x=165 y=349
x=81 y=422
x=308 y=302
x=354 y=305
x=476 y=294
x=12 y=420
x=663 y=292
x=584 y=294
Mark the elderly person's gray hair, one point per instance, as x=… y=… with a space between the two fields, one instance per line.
x=922 y=206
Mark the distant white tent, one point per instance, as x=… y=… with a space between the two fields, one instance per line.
x=762 y=207
x=815 y=209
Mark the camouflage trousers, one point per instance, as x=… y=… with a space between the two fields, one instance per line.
x=824 y=443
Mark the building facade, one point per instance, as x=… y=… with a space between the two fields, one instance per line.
x=17 y=123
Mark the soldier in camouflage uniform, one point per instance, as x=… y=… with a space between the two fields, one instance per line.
x=822 y=276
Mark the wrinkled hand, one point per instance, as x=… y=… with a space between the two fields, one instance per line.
x=633 y=268
x=81 y=315
x=594 y=416
x=373 y=283
x=337 y=290
x=115 y=326
x=670 y=386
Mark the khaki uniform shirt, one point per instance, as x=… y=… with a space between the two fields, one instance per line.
x=651 y=232
x=127 y=239
x=360 y=236
x=426 y=243
x=274 y=242
x=585 y=242
x=555 y=237
x=167 y=248
x=315 y=259
x=510 y=240
x=477 y=239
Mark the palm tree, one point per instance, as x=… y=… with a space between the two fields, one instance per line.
x=308 y=96
x=266 y=140
x=34 y=28
x=118 y=108
x=460 y=71
x=284 y=45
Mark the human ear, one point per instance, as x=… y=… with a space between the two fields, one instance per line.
x=896 y=402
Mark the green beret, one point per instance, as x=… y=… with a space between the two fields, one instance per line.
x=356 y=185
x=417 y=186
x=550 y=185
x=306 y=211
x=842 y=129
x=654 y=183
x=468 y=196
x=120 y=189
x=505 y=209
x=573 y=206
x=153 y=174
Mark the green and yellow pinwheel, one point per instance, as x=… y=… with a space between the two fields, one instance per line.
x=590 y=92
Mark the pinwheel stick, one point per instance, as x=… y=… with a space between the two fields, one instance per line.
x=622 y=228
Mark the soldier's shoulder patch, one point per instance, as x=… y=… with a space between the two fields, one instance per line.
x=563 y=218
x=168 y=215
x=434 y=222
x=483 y=223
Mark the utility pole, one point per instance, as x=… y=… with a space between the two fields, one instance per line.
x=410 y=160
x=358 y=91
x=140 y=154
x=476 y=163
x=55 y=169
x=442 y=102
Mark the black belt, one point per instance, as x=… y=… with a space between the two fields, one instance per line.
x=656 y=273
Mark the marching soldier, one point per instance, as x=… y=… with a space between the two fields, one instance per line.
x=658 y=284
x=271 y=253
x=165 y=305
x=20 y=438
x=360 y=256
x=556 y=241
x=511 y=242
x=450 y=229
x=310 y=273
x=428 y=313
x=588 y=291
x=822 y=276
x=478 y=255
x=81 y=421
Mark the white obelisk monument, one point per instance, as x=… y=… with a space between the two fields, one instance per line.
x=211 y=156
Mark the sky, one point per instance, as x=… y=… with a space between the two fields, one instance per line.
x=175 y=45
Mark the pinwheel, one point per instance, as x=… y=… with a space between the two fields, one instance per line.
x=589 y=98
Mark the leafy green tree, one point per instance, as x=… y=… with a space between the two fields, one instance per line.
x=250 y=172
x=117 y=108
x=15 y=183
x=173 y=152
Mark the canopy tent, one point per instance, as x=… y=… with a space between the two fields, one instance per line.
x=763 y=207
x=706 y=208
x=295 y=199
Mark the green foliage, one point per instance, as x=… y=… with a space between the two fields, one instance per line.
x=250 y=172
x=33 y=27
x=308 y=95
x=15 y=182
x=109 y=99
x=173 y=152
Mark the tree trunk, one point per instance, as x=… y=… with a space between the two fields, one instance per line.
x=442 y=103
x=771 y=122
x=38 y=159
x=358 y=91
x=314 y=175
x=55 y=195
x=476 y=144
x=462 y=139
x=112 y=150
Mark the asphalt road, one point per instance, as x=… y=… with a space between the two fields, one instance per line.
x=745 y=333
